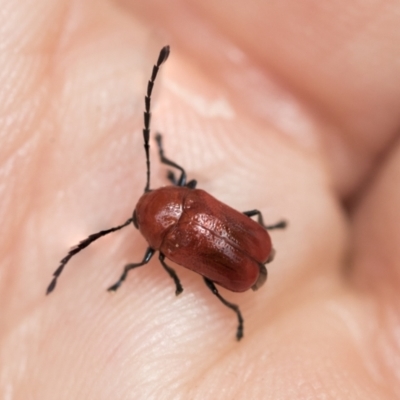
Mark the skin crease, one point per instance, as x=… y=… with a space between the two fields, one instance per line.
x=326 y=323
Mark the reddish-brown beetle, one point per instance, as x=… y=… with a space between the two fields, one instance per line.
x=193 y=229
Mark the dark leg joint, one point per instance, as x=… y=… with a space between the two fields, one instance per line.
x=171 y=177
x=192 y=184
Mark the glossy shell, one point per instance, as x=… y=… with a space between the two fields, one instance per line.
x=197 y=231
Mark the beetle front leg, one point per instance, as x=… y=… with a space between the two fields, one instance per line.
x=171 y=272
x=147 y=257
x=234 y=307
x=171 y=176
x=279 y=225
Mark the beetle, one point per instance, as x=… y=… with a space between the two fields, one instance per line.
x=193 y=229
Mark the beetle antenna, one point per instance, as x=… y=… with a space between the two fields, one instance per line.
x=80 y=246
x=164 y=53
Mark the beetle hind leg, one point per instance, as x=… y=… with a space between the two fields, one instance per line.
x=234 y=307
x=279 y=225
x=147 y=257
x=171 y=272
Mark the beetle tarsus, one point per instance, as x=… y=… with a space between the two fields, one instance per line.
x=279 y=225
x=234 y=307
x=114 y=287
x=147 y=257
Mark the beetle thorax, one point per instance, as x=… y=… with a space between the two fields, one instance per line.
x=158 y=211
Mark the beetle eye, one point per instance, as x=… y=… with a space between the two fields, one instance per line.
x=134 y=220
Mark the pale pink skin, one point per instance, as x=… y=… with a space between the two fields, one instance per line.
x=289 y=107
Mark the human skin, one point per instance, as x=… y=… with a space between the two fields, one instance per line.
x=288 y=107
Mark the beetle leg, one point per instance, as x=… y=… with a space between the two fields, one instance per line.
x=172 y=274
x=279 y=225
x=80 y=246
x=182 y=179
x=147 y=257
x=192 y=184
x=234 y=307
x=171 y=177
x=262 y=277
x=271 y=256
